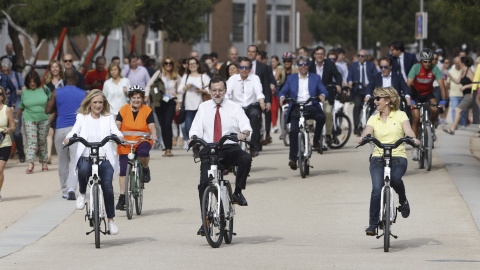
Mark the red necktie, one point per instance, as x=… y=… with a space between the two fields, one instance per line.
x=217 y=127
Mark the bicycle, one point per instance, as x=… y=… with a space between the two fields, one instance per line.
x=387 y=214
x=425 y=135
x=95 y=208
x=285 y=127
x=365 y=112
x=339 y=135
x=134 y=185
x=217 y=205
x=304 y=145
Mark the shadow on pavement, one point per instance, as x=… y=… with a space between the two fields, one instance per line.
x=253 y=240
x=20 y=197
x=252 y=181
x=259 y=169
x=397 y=246
x=107 y=242
x=161 y=211
x=313 y=172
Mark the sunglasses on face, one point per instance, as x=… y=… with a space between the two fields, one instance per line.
x=427 y=61
x=244 y=67
x=287 y=61
x=304 y=64
x=67 y=61
x=361 y=55
x=378 y=98
x=384 y=67
x=168 y=63
x=332 y=59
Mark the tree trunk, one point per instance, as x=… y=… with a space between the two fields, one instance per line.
x=76 y=49
x=18 y=48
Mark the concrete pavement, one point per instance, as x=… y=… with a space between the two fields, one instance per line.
x=290 y=223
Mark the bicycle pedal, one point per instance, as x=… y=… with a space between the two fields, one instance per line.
x=234 y=233
x=394 y=236
x=378 y=236
x=310 y=166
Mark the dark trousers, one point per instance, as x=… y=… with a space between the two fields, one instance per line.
x=312 y=112
x=268 y=122
x=17 y=136
x=357 y=108
x=254 y=115
x=165 y=114
x=105 y=171
x=231 y=155
x=399 y=167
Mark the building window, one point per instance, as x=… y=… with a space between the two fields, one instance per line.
x=280 y=18
x=206 y=35
x=238 y=22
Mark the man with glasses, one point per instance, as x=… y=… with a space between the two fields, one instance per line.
x=362 y=71
x=402 y=61
x=420 y=81
x=215 y=118
x=245 y=89
x=387 y=78
x=68 y=63
x=301 y=87
x=328 y=72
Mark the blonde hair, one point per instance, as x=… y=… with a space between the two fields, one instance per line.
x=85 y=105
x=391 y=94
x=49 y=76
x=4 y=95
x=174 y=67
x=114 y=64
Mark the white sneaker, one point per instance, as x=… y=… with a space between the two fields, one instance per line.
x=415 y=154
x=112 y=228
x=80 y=201
x=185 y=145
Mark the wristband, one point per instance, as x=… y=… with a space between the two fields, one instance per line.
x=443 y=102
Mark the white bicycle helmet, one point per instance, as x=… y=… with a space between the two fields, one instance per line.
x=426 y=54
x=136 y=89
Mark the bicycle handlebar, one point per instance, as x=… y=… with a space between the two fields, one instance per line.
x=218 y=145
x=317 y=98
x=76 y=139
x=360 y=84
x=144 y=137
x=369 y=138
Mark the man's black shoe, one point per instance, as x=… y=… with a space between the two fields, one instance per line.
x=21 y=157
x=329 y=139
x=371 y=230
x=121 y=203
x=146 y=175
x=292 y=164
x=253 y=153
x=201 y=232
x=268 y=140
x=324 y=148
x=239 y=199
x=316 y=145
x=405 y=209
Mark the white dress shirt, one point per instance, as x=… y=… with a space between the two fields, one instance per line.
x=244 y=92
x=363 y=68
x=234 y=120
x=402 y=70
x=303 y=93
x=320 y=69
x=387 y=81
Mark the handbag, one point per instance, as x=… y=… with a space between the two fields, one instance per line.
x=158 y=91
x=207 y=96
x=181 y=112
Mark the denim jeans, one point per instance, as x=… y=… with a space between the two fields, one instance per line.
x=189 y=116
x=398 y=169
x=454 y=101
x=105 y=171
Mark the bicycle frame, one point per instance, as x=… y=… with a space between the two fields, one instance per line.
x=302 y=128
x=95 y=180
x=216 y=178
x=386 y=183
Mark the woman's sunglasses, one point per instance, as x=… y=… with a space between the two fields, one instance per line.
x=168 y=63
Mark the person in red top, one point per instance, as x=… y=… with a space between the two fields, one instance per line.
x=96 y=77
x=135 y=120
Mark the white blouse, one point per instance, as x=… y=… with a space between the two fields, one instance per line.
x=192 y=97
x=171 y=86
x=94 y=130
x=115 y=93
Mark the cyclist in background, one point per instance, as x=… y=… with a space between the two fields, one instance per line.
x=420 y=81
x=135 y=120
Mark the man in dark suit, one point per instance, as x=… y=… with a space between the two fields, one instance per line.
x=301 y=87
x=363 y=72
x=261 y=70
x=328 y=72
x=10 y=55
x=388 y=78
x=401 y=58
x=232 y=56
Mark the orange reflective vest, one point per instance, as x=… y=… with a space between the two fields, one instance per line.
x=133 y=129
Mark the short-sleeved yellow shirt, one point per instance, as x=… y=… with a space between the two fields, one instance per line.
x=388 y=132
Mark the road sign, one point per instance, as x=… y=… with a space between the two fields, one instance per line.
x=421 y=25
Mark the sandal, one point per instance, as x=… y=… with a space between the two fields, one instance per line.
x=449 y=131
x=168 y=153
x=29 y=171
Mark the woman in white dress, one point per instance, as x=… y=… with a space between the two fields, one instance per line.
x=115 y=88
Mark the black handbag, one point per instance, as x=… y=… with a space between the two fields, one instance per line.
x=181 y=112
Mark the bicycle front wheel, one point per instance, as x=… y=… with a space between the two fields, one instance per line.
x=428 y=148
x=421 y=151
x=386 y=220
x=340 y=136
x=129 y=190
x=212 y=224
x=228 y=216
x=301 y=154
x=139 y=190
x=96 y=215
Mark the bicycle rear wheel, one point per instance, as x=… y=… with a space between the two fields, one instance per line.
x=129 y=190
x=228 y=216
x=428 y=148
x=96 y=215
x=421 y=155
x=212 y=225
x=139 y=190
x=386 y=220
x=340 y=136
x=301 y=154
